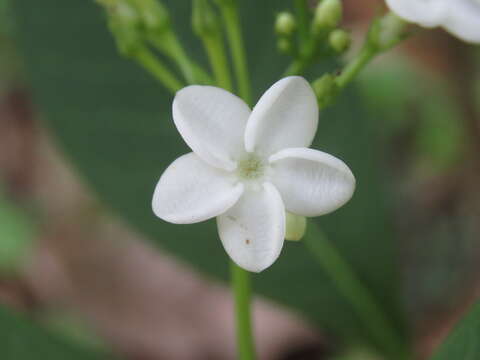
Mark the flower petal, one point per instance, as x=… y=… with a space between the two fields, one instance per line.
x=191 y=191
x=427 y=13
x=285 y=116
x=311 y=182
x=212 y=122
x=253 y=231
x=463 y=20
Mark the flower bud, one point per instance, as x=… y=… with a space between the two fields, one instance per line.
x=285 y=23
x=123 y=13
x=328 y=15
x=339 y=40
x=325 y=89
x=386 y=31
x=284 y=45
x=295 y=227
x=153 y=14
x=204 y=19
x=123 y=21
x=131 y=21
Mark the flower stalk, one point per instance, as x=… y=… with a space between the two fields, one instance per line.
x=206 y=25
x=319 y=35
x=358 y=295
x=169 y=45
x=385 y=33
x=241 y=287
x=240 y=278
x=231 y=22
x=159 y=71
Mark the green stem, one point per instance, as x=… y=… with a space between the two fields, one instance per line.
x=301 y=10
x=235 y=39
x=240 y=278
x=357 y=294
x=384 y=34
x=242 y=295
x=297 y=67
x=145 y=58
x=352 y=69
x=216 y=54
x=169 y=45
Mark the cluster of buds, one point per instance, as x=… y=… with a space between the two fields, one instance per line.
x=324 y=34
x=320 y=35
x=134 y=21
x=285 y=26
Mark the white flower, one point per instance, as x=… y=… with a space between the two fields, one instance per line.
x=247 y=167
x=459 y=17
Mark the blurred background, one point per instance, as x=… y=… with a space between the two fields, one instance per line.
x=84 y=135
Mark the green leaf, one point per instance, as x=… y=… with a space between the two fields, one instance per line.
x=16 y=233
x=20 y=339
x=114 y=123
x=464 y=341
x=439 y=139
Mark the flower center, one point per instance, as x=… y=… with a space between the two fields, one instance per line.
x=251 y=168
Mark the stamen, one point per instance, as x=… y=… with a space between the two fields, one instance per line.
x=251 y=168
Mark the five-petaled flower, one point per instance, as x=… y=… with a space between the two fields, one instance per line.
x=249 y=166
x=459 y=17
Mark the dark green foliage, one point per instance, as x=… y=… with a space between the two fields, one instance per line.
x=20 y=339
x=464 y=341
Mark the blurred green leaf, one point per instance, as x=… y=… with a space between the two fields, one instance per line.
x=114 y=123
x=5 y=20
x=16 y=232
x=20 y=339
x=72 y=327
x=463 y=343
x=439 y=135
x=358 y=354
x=10 y=66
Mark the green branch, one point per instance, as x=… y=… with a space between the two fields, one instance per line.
x=357 y=294
x=145 y=58
x=241 y=288
x=235 y=39
x=169 y=45
x=206 y=25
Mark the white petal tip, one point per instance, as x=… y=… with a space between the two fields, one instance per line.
x=253 y=230
x=312 y=183
x=285 y=116
x=254 y=268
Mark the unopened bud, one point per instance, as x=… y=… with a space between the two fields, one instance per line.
x=153 y=14
x=285 y=23
x=123 y=13
x=386 y=31
x=328 y=15
x=295 y=227
x=123 y=21
x=204 y=19
x=284 y=45
x=339 y=40
x=132 y=20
